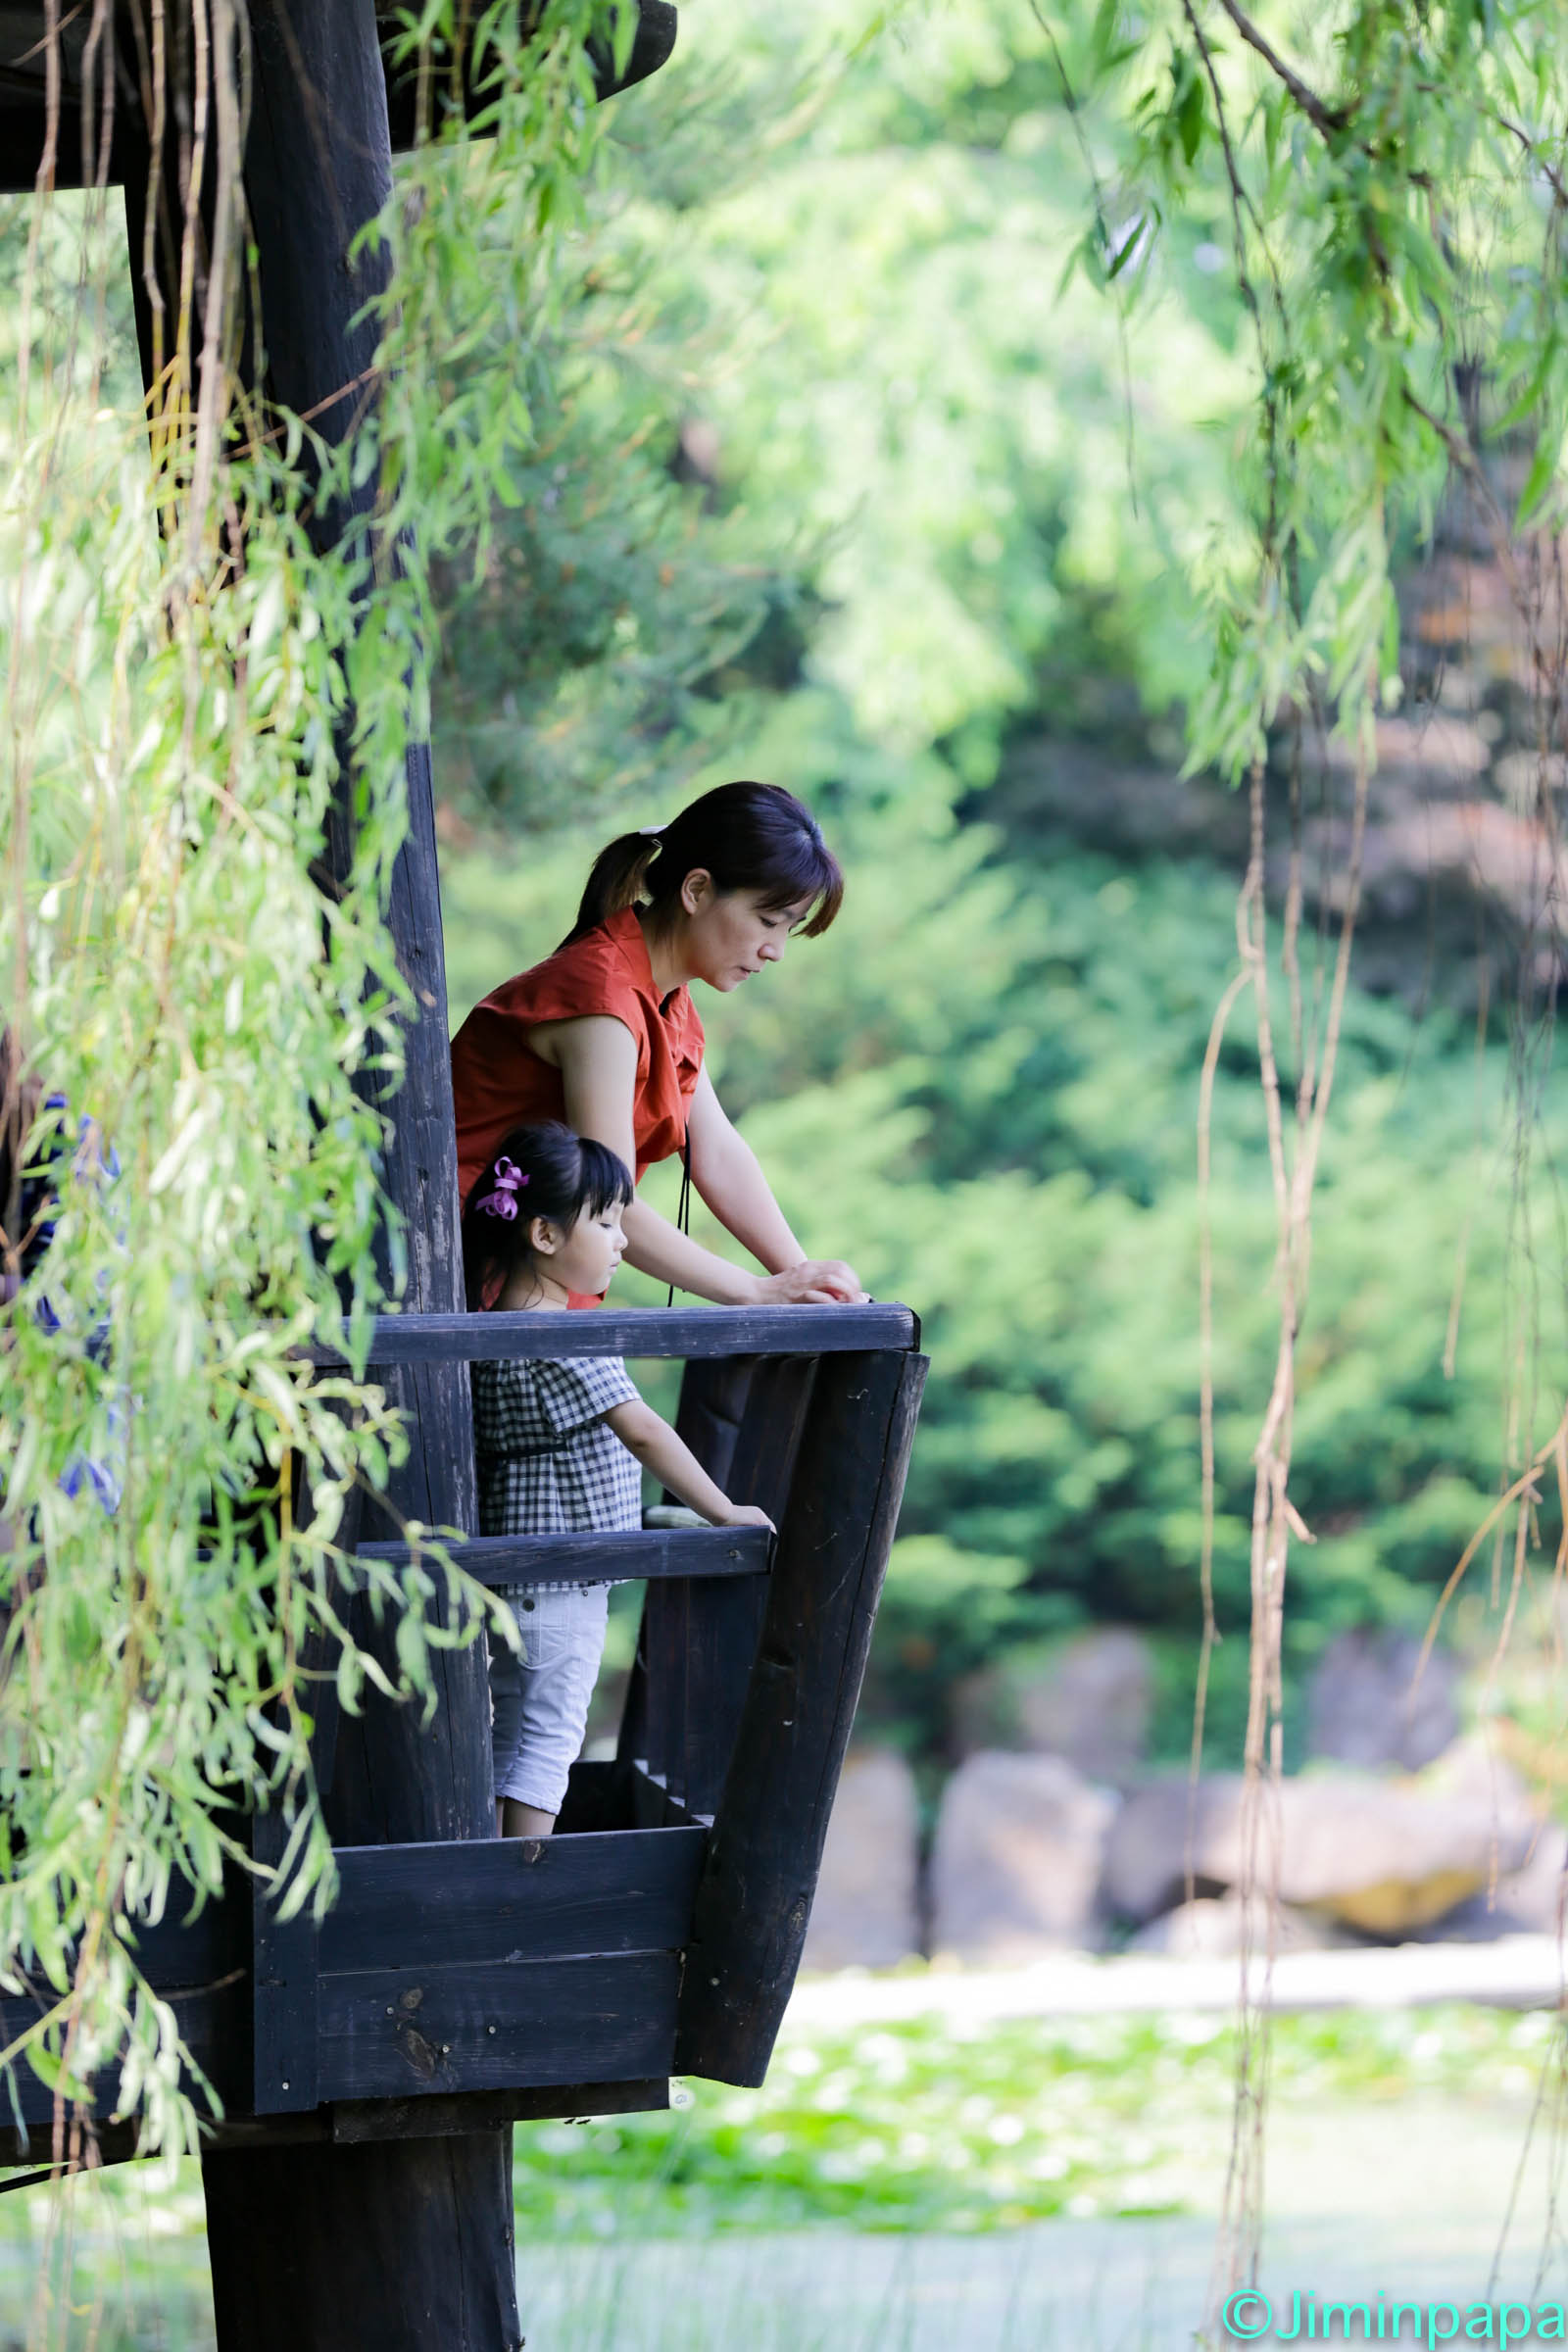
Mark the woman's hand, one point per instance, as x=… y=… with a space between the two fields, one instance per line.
x=815 y=1282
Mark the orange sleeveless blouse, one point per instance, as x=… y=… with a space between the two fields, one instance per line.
x=498 y=1082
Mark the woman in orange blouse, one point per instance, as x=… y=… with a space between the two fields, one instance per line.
x=604 y=1033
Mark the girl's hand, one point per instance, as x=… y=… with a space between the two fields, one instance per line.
x=815 y=1282
x=745 y=1514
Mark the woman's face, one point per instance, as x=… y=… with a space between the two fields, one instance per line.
x=733 y=933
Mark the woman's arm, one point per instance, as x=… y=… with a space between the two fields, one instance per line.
x=672 y=1462
x=597 y=1057
x=727 y=1174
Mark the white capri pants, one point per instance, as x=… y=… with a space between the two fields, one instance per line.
x=539 y=1699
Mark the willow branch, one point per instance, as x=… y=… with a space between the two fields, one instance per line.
x=1532 y=147
x=1324 y=118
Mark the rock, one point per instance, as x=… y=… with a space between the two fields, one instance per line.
x=866 y=1912
x=1361 y=1707
x=1524 y=1901
x=1383 y=1857
x=1209 y=1928
x=1145 y=1853
x=1088 y=1698
x=1019 y=1856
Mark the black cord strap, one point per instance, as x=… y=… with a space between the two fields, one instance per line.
x=683 y=1216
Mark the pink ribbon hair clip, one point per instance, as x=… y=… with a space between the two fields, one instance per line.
x=503 y=1202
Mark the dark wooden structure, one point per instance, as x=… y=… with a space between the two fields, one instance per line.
x=456 y=1985
x=357 y=2186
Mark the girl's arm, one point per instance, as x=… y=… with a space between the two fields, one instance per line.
x=597 y=1057
x=673 y=1464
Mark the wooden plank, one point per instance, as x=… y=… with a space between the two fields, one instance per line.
x=653 y=1718
x=201 y=1966
x=604 y=2018
x=517 y=1899
x=439 y=2118
x=620 y=1556
x=712 y=1406
x=597 y=1798
x=655 y=1805
x=284 y=1970
x=25 y=116
x=621 y=1794
x=724 y=1623
x=209 y=2022
x=352 y=2123
x=181 y=1952
x=692 y=1332
x=765 y=1849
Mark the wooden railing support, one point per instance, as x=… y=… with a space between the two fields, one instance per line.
x=755 y=1896
x=743 y=1419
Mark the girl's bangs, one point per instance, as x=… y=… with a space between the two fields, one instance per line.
x=603 y=1178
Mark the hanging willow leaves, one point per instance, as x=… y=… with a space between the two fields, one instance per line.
x=191 y=1192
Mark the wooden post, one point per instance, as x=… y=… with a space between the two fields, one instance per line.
x=405 y=2245
x=742 y=1416
x=755 y=1896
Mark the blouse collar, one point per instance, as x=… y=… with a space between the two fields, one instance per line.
x=627 y=933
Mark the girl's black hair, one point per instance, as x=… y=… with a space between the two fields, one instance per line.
x=746 y=836
x=541 y=1171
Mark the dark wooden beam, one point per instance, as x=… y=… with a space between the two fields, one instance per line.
x=697 y=1333
x=659 y=1553
x=387 y=2034
x=765 y=1849
x=743 y=1419
x=448 y=1968
x=352 y=2122
x=516 y=1900
x=441 y=2118
x=24 y=116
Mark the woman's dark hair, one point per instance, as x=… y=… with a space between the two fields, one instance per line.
x=543 y=1171
x=746 y=836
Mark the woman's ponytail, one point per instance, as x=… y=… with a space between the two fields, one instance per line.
x=755 y=837
x=616 y=881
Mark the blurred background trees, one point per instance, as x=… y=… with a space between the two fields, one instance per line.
x=857 y=475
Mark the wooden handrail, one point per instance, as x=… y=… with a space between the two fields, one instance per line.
x=617 y=1556
x=692 y=1332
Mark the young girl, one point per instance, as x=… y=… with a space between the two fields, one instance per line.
x=558 y=1443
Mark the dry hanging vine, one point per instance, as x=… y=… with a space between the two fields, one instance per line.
x=1391 y=182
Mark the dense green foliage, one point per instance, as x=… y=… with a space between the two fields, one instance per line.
x=983 y=1085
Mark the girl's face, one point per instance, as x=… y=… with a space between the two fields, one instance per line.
x=731 y=933
x=581 y=1259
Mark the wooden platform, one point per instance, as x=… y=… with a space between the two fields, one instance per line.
x=659 y=1931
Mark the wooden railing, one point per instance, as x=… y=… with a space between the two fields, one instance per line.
x=660 y=1930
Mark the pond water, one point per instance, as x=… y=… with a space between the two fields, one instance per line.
x=1436 y=2180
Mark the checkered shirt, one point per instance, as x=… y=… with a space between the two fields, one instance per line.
x=548 y=1458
